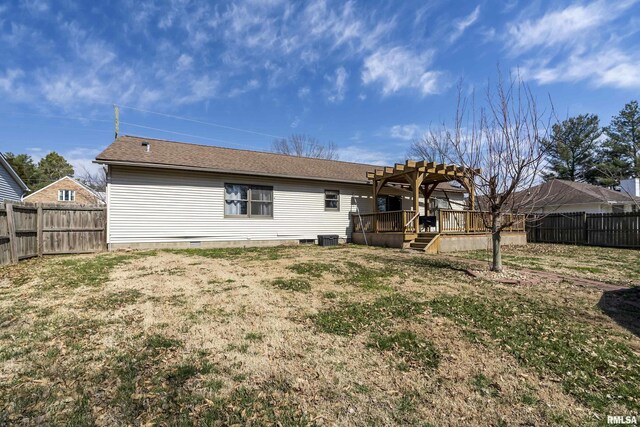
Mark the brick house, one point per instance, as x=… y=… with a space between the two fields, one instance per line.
x=65 y=190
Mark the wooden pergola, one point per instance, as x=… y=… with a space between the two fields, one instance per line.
x=422 y=178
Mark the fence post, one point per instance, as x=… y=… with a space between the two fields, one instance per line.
x=586 y=229
x=40 y=230
x=13 y=241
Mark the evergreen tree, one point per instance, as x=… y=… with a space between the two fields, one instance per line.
x=571 y=149
x=53 y=167
x=621 y=153
x=25 y=167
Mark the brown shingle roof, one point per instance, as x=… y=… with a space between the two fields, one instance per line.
x=560 y=192
x=129 y=150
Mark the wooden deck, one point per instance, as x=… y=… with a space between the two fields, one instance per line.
x=397 y=228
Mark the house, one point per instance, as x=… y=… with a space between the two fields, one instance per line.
x=11 y=186
x=560 y=196
x=171 y=194
x=65 y=190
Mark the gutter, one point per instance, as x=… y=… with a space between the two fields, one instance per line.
x=224 y=171
x=232 y=172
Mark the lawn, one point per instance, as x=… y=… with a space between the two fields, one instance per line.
x=610 y=265
x=312 y=336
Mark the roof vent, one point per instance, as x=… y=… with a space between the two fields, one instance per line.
x=147 y=146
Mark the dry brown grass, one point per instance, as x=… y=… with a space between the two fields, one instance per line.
x=610 y=265
x=208 y=337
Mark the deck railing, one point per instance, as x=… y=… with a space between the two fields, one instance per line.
x=449 y=221
x=385 y=222
x=470 y=222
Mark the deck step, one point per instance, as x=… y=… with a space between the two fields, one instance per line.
x=418 y=245
x=422 y=241
x=430 y=235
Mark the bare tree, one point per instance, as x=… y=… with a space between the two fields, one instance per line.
x=97 y=181
x=302 y=145
x=499 y=145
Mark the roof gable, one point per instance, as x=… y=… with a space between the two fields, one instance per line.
x=74 y=182
x=4 y=163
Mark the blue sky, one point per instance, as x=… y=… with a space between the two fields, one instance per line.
x=369 y=76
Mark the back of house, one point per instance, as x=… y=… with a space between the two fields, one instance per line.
x=170 y=194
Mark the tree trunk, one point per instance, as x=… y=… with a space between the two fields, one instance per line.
x=495 y=243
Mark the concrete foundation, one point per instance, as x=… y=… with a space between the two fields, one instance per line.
x=472 y=242
x=193 y=245
x=386 y=240
x=446 y=243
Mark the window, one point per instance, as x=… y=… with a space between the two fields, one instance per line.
x=617 y=208
x=248 y=201
x=331 y=200
x=389 y=203
x=66 y=195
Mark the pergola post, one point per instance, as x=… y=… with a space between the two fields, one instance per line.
x=416 y=182
x=426 y=194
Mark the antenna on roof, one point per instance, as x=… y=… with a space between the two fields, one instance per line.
x=116 y=113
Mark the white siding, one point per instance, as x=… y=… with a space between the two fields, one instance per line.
x=9 y=188
x=160 y=205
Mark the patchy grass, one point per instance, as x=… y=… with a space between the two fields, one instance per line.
x=598 y=368
x=348 y=336
x=313 y=269
x=261 y=254
x=485 y=387
x=612 y=265
x=349 y=318
x=293 y=284
x=367 y=276
x=413 y=351
x=86 y=271
x=113 y=300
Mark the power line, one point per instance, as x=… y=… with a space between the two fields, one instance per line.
x=201 y=122
x=184 y=134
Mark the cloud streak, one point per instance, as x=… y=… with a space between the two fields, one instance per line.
x=397 y=68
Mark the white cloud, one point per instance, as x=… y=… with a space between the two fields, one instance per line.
x=82 y=159
x=608 y=68
x=357 y=154
x=408 y=132
x=579 y=42
x=304 y=92
x=461 y=25
x=339 y=85
x=185 y=61
x=569 y=26
x=252 y=84
x=397 y=68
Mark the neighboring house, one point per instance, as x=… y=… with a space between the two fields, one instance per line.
x=11 y=186
x=163 y=193
x=560 y=196
x=65 y=190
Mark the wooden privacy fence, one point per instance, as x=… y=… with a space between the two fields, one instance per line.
x=28 y=230
x=620 y=230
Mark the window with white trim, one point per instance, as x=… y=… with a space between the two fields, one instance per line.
x=66 y=195
x=331 y=200
x=241 y=200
